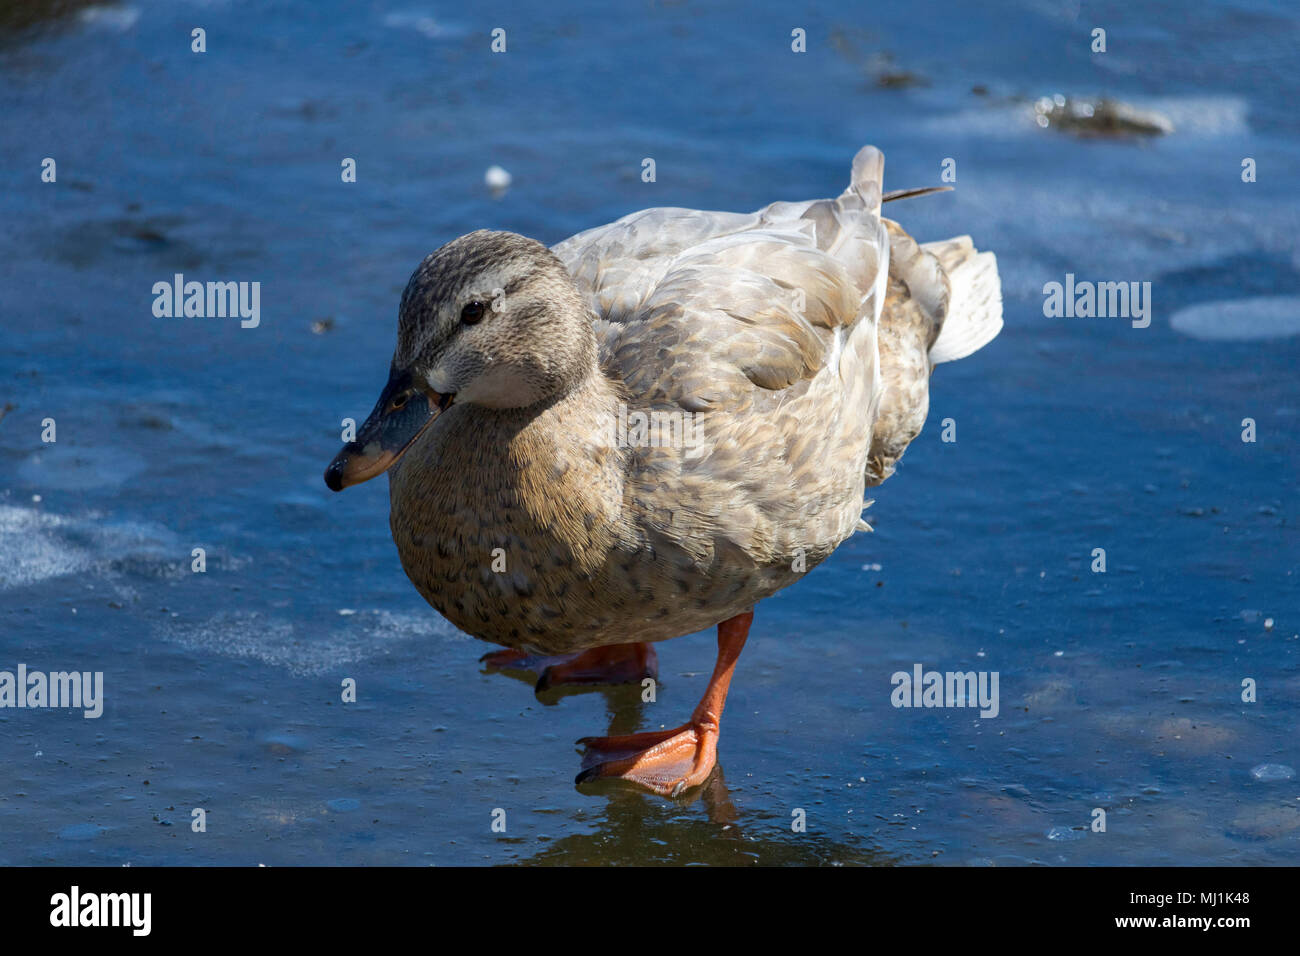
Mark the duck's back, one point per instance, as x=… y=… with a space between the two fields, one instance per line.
x=802 y=337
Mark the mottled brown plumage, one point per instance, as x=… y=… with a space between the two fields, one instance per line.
x=799 y=337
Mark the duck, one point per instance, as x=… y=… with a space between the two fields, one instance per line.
x=643 y=431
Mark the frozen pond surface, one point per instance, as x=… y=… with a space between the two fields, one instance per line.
x=1120 y=691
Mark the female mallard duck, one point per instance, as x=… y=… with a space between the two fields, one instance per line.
x=653 y=426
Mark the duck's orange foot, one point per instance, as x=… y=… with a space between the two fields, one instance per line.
x=614 y=664
x=665 y=762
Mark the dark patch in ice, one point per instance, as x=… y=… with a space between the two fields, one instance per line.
x=79 y=468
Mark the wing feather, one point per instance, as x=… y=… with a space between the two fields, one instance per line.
x=701 y=309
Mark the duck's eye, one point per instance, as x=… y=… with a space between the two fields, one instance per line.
x=400 y=400
x=473 y=312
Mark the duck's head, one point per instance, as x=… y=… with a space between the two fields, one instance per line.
x=490 y=319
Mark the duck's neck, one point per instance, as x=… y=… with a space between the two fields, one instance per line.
x=564 y=448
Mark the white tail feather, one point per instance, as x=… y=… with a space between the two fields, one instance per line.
x=975 y=303
x=866 y=179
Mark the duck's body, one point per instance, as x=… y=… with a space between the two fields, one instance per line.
x=781 y=360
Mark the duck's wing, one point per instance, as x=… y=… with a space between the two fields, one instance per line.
x=712 y=311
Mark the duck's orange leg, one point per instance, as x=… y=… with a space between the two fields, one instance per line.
x=613 y=664
x=667 y=762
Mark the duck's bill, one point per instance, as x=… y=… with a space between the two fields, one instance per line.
x=400 y=416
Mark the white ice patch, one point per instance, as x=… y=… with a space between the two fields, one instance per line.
x=35 y=546
x=32 y=548
x=425 y=24
x=1240 y=320
x=1202 y=115
x=301 y=648
x=115 y=18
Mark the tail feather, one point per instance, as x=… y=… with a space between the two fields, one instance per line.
x=867 y=178
x=975 y=299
